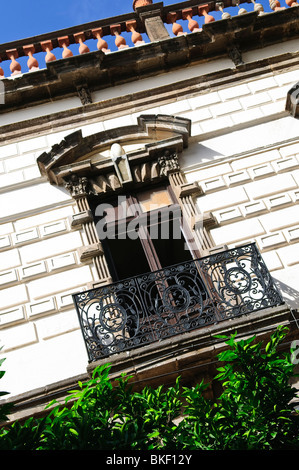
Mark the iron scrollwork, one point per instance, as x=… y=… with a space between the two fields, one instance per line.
x=240 y=281
x=173 y=300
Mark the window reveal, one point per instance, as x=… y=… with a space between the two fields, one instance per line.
x=142 y=232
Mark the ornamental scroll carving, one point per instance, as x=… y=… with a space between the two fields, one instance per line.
x=84 y=95
x=101 y=183
x=78 y=186
x=169 y=163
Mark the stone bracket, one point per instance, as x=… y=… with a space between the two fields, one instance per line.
x=206 y=220
x=84 y=94
x=235 y=55
x=77 y=220
x=190 y=189
x=86 y=253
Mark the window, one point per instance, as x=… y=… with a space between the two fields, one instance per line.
x=141 y=232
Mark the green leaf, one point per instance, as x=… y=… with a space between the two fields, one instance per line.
x=2 y=360
x=101 y=416
x=154 y=434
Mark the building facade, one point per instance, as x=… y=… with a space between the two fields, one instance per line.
x=149 y=191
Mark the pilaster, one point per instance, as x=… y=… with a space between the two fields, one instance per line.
x=199 y=224
x=79 y=188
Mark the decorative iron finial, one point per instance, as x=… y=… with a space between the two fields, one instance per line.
x=141 y=3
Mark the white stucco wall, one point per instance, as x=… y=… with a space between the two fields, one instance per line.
x=244 y=153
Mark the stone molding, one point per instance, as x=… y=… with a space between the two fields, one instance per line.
x=200 y=348
x=63 y=165
x=77 y=220
x=98 y=71
x=89 y=252
x=141 y=100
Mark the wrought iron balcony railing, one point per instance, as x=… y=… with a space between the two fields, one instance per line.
x=174 y=300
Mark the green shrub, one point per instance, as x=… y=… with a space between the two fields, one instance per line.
x=253 y=412
x=255 y=409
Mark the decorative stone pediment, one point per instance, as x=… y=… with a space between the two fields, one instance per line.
x=122 y=161
x=77 y=162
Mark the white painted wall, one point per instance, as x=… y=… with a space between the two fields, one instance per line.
x=244 y=152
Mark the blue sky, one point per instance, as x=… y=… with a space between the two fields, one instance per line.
x=33 y=17
x=21 y=19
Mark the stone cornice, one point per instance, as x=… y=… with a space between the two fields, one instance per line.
x=72 y=156
x=96 y=71
x=142 y=100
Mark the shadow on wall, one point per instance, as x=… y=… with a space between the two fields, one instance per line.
x=290 y=295
x=198 y=153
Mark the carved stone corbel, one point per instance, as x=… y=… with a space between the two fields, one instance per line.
x=87 y=253
x=77 y=220
x=190 y=189
x=77 y=186
x=235 y=55
x=169 y=163
x=84 y=94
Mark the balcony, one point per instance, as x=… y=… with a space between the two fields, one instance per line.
x=152 y=307
x=148 y=23
x=81 y=61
